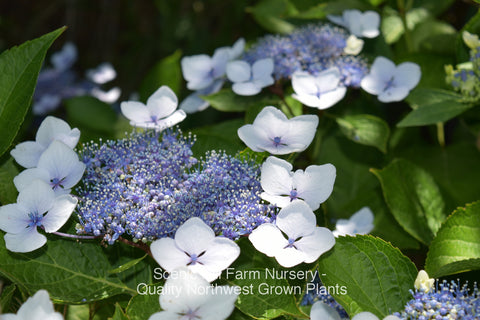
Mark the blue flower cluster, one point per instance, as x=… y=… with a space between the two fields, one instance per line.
x=149 y=184
x=451 y=301
x=318 y=292
x=311 y=48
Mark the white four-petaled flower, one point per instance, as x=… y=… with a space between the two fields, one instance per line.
x=360 y=24
x=321 y=91
x=188 y=296
x=195 y=71
x=28 y=153
x=58 y=166
x=391 y=83
x=321 y=311
x=159 y=112
x=304 y=241
x=248 y=80
x=38 y=306
x=282 y=186
x=36 y=206
x=361 y=222
x=196 y=247
x=271 y=131
x=201 y=70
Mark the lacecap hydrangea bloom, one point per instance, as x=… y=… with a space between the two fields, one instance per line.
x=313 y=49
x=149 y=184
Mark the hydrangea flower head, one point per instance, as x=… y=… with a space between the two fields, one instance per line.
x=187 y=295
x=313 y=49
x=159 y=112
x=195 y=247
x=304 y=241
x=36 y=206
x=28 y=153
x=321 y=91
x=38 y=306
x=391 y=83
x=249 y=79
x=361 y=24
x=282 y=186
x=149 y=184
x=271 y=131
x=361 y=222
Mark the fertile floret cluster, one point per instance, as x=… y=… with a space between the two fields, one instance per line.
x=149 y=184
x=312 y=48
x=450 y=301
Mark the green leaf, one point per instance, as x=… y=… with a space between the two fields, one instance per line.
x=221 y=136
x=366 y=129
x=6 y=298
x=257 y=298
x=72 y=272
x=434 y=113
x=392 y=26
x=456 y=248
x=432 y=66
x=271 y=14
x=385 y=225
x=128 y=265
x=142 y=306
x=227 y=101
x=434 y=36
x=166 y=72
x=19 y=69
x=8 y=192
x=238 y=315
x=375 y=276
x=91 y=114
x=413 y=198
x=420 y=97
x=353 y=162
x=451 y=168
x=337 y=7
x=119 y=314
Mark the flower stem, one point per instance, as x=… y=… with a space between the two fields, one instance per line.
x=139 y=245
x=74 y=236
x=441 y=134
x=403 y=10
